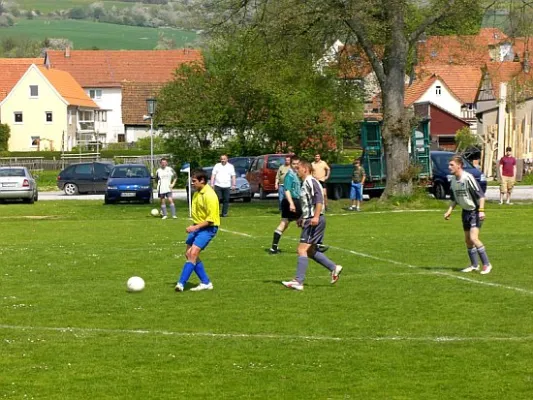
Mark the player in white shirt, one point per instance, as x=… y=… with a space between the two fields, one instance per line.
x=166 y=179
x=223 y=179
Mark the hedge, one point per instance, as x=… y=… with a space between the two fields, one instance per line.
x=51 y=155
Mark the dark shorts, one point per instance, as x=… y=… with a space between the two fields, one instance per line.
x=286 y=210
x=167 y=195
x=471 y=220
x=323 y=184
x=202 y=237
x=313 y=234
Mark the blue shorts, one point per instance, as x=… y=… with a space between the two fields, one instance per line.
x=202 y=237
x=356 y=192
x=313 y=234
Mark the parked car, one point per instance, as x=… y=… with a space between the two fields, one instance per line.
x=18 y=183
x=129 y=182
x=241 y=164
x=242 y=190
x=87 y=177
x=441 y=174
x=262 y=173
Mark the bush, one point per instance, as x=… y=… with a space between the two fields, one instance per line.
x=77 y=13
x=5 y=134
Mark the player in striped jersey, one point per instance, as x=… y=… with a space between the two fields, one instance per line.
x=313 y=225
x=468 y=195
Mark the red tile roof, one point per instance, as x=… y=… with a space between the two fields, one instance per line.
x=506 y=72
x=462 y=80
x=473 y=50
x=417 y=89
x=109 y=68
x=134 y=95
x=68 y=88
x=11 y=70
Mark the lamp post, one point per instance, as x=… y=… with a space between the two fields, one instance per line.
x=150 y=106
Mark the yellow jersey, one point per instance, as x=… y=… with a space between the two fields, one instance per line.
x=205 y=206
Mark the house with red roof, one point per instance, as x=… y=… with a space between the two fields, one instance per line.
x=102 y=73
x=44 y=108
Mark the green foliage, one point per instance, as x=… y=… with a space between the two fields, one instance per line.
x=464 y=19
x=465 y=139
x=253 y=96
x=5 y=134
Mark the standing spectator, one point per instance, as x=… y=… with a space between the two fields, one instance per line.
x=223 y=179
x=166 y=179
x=291 y=209
x=358 y=180
x=507 y=176
x=321 y=173
x=466 y=193
x=313 y=225
x=206 y=220
x=280 y=179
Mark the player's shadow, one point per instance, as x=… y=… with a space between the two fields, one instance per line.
x=187 y=286
x=275 y=254
x=441 y=268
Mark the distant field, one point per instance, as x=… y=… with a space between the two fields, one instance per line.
x=86 y=34
x=52 y=5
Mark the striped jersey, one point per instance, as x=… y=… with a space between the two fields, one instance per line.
x=465 y=191
x=310 y=196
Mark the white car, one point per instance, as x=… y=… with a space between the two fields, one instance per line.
x=17 y=183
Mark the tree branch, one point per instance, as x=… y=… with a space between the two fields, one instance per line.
x=446 y=9
x=362 y=38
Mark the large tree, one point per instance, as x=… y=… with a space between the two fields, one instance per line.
x=386 y=30
x=253 y=95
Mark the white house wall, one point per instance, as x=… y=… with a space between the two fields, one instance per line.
x=111 y=100
x=445 y=100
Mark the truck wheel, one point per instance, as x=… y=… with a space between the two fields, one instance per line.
x=438 y=191
x=337 y=192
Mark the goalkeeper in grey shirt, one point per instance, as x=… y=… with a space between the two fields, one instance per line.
x=466 y=193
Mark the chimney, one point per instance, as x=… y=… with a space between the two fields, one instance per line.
x=67 y=52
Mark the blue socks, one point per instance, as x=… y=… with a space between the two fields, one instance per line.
x=189 y=268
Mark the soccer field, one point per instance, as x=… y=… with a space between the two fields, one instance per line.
x=401 y=323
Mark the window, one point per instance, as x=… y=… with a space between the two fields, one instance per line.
x=34 y=91
x=438 y=90
x=83 y=169
x=18 y=117
x=35 y=141
x=48 y=116
x=95 y=93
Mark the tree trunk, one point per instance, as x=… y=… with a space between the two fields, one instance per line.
x=396 y=123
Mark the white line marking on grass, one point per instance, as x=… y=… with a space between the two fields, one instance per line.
x=236 y=233
x=402 y=264
x=437 y=339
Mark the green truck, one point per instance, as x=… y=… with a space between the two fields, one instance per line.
x=373 y=161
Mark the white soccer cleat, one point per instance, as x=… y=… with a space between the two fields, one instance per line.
x=202 y=286
x=174 y=217
x=294 y=284
x=486 y=269
x=336 y=273
x=164 y=217
x=471 y=269
x=179 y=287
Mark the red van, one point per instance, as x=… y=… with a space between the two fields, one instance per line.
x=262 y=173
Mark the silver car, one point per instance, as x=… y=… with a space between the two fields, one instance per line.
x=18 y=183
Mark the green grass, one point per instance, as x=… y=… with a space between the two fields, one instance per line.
x=88 y=34
x=46 y=180
x=52 y=5
x=402 y=325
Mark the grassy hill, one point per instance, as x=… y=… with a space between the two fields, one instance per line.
x=53 y=5
x=88 y=34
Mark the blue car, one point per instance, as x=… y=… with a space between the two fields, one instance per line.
x=129 y=182
x=441 y=174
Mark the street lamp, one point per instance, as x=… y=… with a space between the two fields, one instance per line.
x=150 y=107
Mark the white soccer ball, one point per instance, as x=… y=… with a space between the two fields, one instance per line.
x=155 y=212
x=135 y=284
